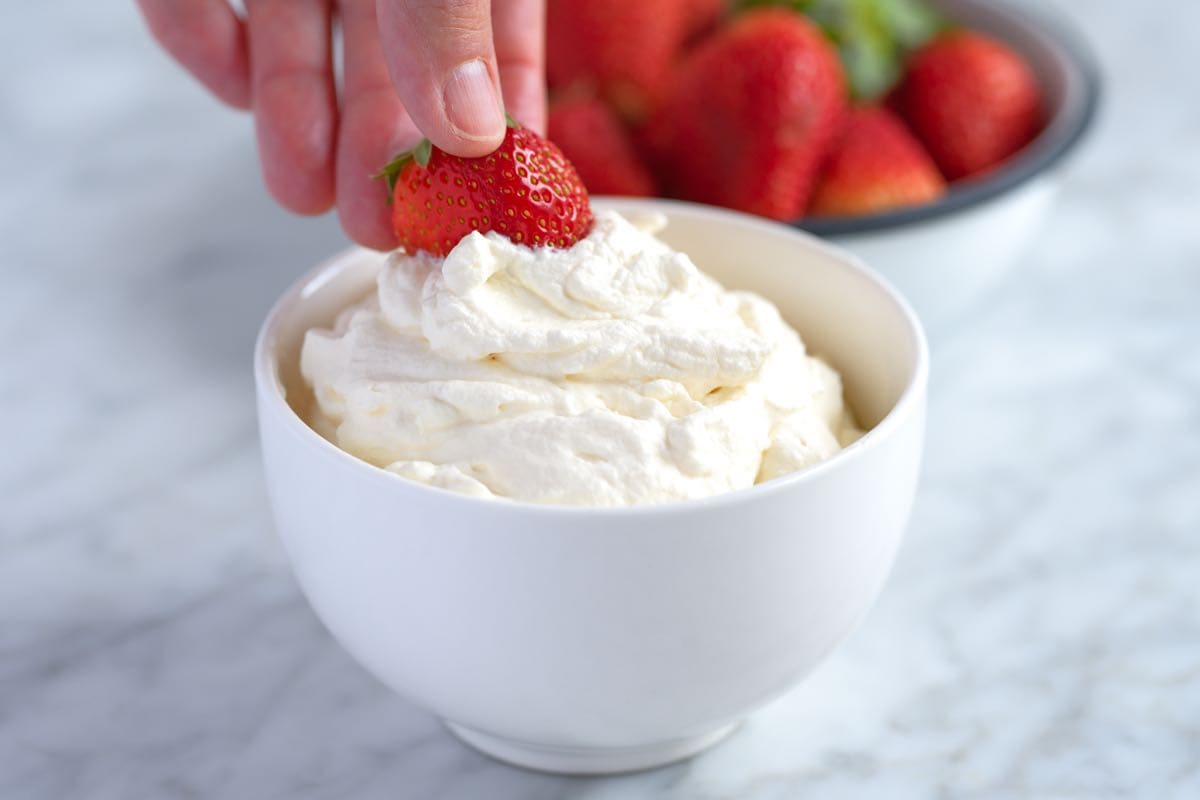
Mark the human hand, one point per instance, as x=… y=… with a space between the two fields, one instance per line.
x=409 y=66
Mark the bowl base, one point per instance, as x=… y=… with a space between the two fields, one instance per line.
x=588 y=760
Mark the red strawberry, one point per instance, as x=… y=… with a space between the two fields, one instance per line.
x=621 y=49
x=972 y=100
x=526 y=190
x=703 y=17
x=750 y=115
x=591 y=136
x=875 y=165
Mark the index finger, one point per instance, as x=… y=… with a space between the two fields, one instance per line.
x=519 y=29
x=441 y=57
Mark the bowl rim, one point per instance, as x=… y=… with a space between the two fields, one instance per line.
x=1063 y=132
x=271 y=398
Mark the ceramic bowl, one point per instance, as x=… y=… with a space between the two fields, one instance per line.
x=605 y=639
x=946 y=255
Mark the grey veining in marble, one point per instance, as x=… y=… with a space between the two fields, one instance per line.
x=1040 y=636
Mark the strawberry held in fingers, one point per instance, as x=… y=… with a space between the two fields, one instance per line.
x=750 y=115
x=875 y=165
x=525 y=190
x=971 y=100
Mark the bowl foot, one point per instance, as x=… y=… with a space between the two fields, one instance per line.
x=588 y=760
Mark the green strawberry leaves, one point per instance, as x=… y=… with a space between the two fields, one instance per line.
x=390 y=173
x=420 y=155
x=422 y=152
x=873 y=37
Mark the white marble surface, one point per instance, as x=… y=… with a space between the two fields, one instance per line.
x=1040 y=636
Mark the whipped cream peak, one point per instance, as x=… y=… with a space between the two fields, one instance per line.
x=619 y=305
x=611 y=373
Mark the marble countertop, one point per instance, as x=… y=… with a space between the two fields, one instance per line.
x=1040 y=636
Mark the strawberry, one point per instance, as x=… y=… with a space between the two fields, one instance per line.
x=972 y=100
x=876 y=164
x=750 y=115
x=591 y=136
x=525 y=190
x=873 y=37
x=621 y=49
x=703 y=17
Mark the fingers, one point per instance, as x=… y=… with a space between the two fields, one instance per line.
x=208 y=39
x=443 y=63
x=519 y=27
x=295 y=106
x=374 y=128
x=434 y=52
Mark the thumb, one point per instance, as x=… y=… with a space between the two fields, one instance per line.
x=442 y=60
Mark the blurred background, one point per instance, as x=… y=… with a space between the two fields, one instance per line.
x=1040 y=636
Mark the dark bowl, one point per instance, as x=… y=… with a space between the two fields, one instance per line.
x=1070 y=80
x=946 y=255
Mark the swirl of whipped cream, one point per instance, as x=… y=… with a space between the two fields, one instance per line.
x=611 y=373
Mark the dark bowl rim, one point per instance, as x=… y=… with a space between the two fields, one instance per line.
x=1037 y=157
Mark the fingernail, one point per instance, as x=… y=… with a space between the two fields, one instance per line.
x=471 y=102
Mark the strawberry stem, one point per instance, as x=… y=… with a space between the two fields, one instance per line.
x=390 y=173
x=422 y=152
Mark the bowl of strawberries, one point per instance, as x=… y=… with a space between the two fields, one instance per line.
x=922 y=135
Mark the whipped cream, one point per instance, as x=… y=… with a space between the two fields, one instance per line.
x=611 y=373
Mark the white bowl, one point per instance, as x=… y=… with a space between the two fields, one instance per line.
x=945 y=256
x=600 y=640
